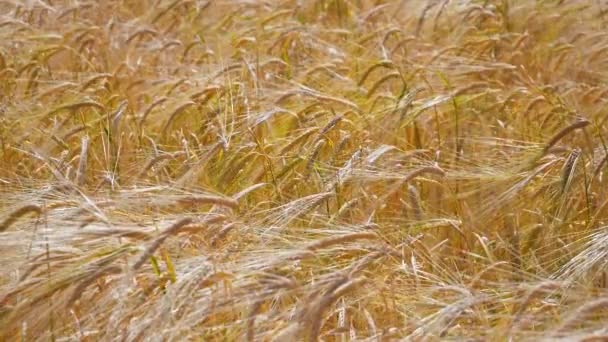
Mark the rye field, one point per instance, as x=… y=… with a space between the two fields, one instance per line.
x=312 y=170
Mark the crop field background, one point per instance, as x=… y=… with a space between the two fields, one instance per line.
x=317 y=170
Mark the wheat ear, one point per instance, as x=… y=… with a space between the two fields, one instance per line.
x=159 y=240
x=333 y=240
x=82 y=163
x=15 y=215
x=556 y=138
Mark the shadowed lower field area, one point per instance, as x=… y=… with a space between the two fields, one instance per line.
x=323 y=170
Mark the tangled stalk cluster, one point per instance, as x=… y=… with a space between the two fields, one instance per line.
x=303 y=170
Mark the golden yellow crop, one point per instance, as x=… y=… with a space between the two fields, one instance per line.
x=319 y=170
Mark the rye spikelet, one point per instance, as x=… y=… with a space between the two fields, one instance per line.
x=82 y=163
x=381 y=64
x=582 y=313
x=156 y=160
x=579 y=124
x=15 y=215
x=569 y=169
x=534 y=293
x=383 y=79
x=151 y=107
x=209 y=199
x=339 y=289
x=414 y=197
x=176 y=112
x=82 y=286
x=153 y=246
x=334 y=240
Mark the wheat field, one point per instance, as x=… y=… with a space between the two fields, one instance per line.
x=315 y=170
